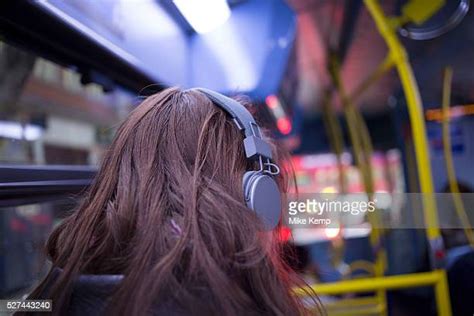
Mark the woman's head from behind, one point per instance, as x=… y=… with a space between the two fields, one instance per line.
x=167 y=211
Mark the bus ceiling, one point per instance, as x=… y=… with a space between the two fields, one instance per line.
x=158 y=43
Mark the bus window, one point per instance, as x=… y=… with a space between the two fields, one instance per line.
x=49 y=114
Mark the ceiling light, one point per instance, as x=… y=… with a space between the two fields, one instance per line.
x=204 y=15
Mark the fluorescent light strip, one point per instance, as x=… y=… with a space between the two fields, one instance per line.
x=204 y=15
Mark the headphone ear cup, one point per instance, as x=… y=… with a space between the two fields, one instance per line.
x=262 y=195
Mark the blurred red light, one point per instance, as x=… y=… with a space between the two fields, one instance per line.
x=17 y=225
x=284 y=125
x=285 y=234
x=271 y=101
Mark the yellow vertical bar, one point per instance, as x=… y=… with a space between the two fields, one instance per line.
x=336 y=140
x=398 y=53
x=442 y=294
x=448 y=158
x=416 y=116
x=363 y=155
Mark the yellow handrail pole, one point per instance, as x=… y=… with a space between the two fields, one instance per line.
x=380 y=283
x=353 y=125
x=387 y=64
x=350 y=302
x=355 y=311
x=436 y=278
x=442 y=294
x=375 y=235
x=362 y=159
x=448 y=156
x=360 y=139
x=337 y=142
x=367 y=150
x=335 y=138
x=413 y=184
x=364 y=305
x=412 y=96
x=416 y=117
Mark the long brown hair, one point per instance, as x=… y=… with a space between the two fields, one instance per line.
x=166 y=210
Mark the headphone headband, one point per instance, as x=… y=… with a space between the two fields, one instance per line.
x=254 y=145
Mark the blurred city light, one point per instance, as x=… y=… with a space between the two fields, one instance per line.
x=205 y=15
x=284 y=125
x=332 y=232
x=282 y=121
x=16 y=130
x=329 y=189
x=272 y=101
